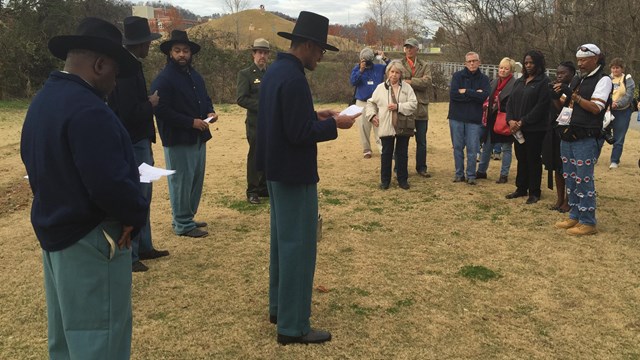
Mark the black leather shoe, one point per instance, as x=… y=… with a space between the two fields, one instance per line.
x=195 y=233
x=384 y=186
x=153 y=254
x=200 y=223
x=502 y=180
x=481 y=175
x=139 y=267
x=313 y=337
x=253 y=199
x=273 y=319
x=404 y=185
x=515 y=194
x=533 y=199
x=459 y=179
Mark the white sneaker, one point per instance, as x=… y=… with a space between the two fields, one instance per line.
x=613 y=165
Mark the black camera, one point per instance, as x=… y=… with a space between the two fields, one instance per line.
x=607 y=134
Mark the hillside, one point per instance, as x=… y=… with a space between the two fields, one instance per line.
x=256 y=23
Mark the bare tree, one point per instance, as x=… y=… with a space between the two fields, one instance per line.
x=381 y=12
x=234 y=6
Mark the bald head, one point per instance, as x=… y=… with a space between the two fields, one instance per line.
x=98 y=70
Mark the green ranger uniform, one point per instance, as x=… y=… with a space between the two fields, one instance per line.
x=248 y=92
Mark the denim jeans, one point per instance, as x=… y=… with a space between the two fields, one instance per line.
x=401 y=144
x=421 y=144
x=142 y=152
x=485 y=157
x=465 y=135
x=620 y=127
x=579 y=159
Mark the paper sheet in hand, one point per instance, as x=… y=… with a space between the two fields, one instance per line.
x=150 y=173
x=352 y=110
x=208 y=120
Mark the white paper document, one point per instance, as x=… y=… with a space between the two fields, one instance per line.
x=208 y=120
x=352 y=110
x=150 y=173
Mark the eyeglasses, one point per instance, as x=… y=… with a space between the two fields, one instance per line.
x=586 y=49
x=323 y=50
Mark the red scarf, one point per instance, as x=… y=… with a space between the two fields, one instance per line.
x=502 y=82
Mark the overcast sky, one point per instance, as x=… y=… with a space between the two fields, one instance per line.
x=338 y=12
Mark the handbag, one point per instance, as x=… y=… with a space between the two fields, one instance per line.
x=403 y=124
x=501 y=127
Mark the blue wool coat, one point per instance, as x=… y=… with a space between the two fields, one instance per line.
x=467 y=107
x=80 y=163
x=288 y=127
x=183 y=97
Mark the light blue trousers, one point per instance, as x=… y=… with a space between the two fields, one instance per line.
x=88 y=290
x=294 y=221
x=142 y=242
x=185 y=186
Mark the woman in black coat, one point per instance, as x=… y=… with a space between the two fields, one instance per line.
x=497 y=101
x=527 y=111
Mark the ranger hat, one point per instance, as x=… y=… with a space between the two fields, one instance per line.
x=260 y=44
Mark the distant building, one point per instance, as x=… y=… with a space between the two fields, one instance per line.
x=163 y=20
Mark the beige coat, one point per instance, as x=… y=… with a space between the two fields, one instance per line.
x=421 y=84
x=378 y=102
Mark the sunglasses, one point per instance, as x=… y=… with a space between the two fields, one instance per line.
x=586 y=49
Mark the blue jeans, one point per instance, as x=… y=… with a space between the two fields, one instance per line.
x=579 y=159
x=485 y=157
x=620 y=127
x=421 y=144
x=465 y=135
x=142 y=242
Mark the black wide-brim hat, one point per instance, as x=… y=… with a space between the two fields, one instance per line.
x=100 y=36
x=179 y=37
x=137 y=31
x=310 y=26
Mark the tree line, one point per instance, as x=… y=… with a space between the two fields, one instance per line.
x=499 y=28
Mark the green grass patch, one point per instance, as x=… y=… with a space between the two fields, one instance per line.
x=368 y=226
x=399 y=305
x=20 y=104
x=242 y=206
x=478 y=272
x=361 y=310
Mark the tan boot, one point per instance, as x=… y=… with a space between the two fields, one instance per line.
x=582 y=229
x=566 y=224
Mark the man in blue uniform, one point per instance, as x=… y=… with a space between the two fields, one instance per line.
x=130 y=101
x=182 y=109
x=288 y=130
x=87 y=201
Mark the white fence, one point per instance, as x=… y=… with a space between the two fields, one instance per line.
x=448 y=68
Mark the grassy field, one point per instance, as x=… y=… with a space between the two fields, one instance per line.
x=442 y=271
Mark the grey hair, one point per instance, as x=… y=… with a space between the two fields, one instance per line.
x=397 y=64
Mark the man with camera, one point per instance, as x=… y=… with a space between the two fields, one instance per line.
x=581 y=139
x=365 y=76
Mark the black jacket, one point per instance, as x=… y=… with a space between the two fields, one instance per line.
x=130 y=101
x=530 y=103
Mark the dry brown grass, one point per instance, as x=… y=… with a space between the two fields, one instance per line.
x=389 y=259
